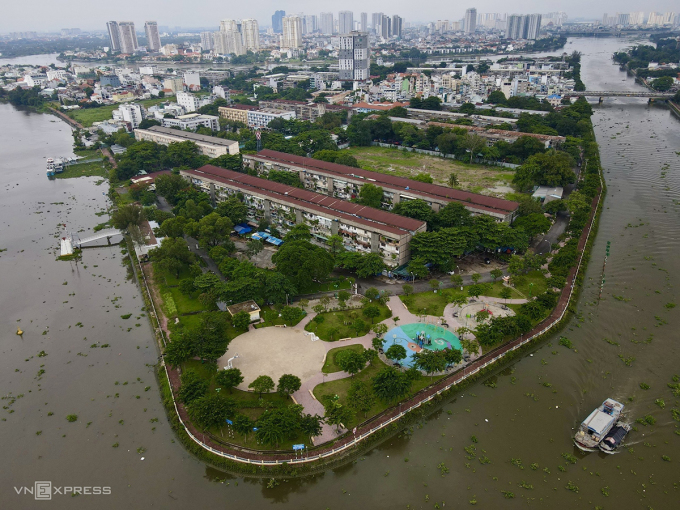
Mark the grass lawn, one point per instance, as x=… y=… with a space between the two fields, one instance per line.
x=184 y=303
x=330 y=365
x=489 y=180
x=88 y=116
x=329 y=285
x=494 y=290
x=248 y=403
x=91 y=169
x=343 y=320
x=539 y=281
x=271 y=318
x=341 y=387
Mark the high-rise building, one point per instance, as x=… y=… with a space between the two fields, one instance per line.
x=292 y=32
x=229 y=39
x=128 y=37
x=251 y=35
x=153 y=40
x=364 y=22
x=311 y=24
x=386 y=27
x=397 y=23
x=470 y=20
x=327 y=23
x=345 y=22
x=515 y=27
x=277 y=21
x=354 y=57
x=637 y=18
x=533 y=26
x=623 y=18
x=207 y=41
x=114 y=35
x=376 y=22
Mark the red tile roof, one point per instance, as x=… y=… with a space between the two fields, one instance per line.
x=427 y=191
x=323 y=204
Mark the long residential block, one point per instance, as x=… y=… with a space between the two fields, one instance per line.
x=210 y=146
x=363 y=229
x=344 y=182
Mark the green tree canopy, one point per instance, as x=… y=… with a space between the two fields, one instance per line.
x=262 y=384
x=370 y=195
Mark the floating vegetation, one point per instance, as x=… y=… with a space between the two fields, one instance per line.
x=666 y=458
x=517 y=462
x=442 y=468
x=646 y=420
x=670 y=305
x=126 y=316
x=605 y=491
x=621 y=298
x=508 y=494
x=572 y=487
x=611 y=342
x=644 y=386
x=71 y=418
x=627 y=361
x=525 y=485
x=534 y=466
x=42 y=354
x=660 y=403
x=569 y=458
x=566 y=342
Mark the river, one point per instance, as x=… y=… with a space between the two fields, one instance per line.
x=522 y=426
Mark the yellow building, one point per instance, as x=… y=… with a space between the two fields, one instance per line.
x=247 y=306
x=236 y=112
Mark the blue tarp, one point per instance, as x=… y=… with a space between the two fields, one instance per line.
x=275 y=241
x=260 y=236
x=242 y=229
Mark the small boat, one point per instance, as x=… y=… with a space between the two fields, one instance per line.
x=614 y=438
x=597 y=425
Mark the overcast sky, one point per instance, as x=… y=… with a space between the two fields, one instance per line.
x=43 y=15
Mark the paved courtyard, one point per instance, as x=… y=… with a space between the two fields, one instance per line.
x=275 y=351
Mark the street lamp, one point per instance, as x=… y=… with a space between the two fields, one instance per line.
x=531 y=287
x=413 y=278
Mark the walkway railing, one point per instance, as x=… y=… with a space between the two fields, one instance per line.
x=245 y=455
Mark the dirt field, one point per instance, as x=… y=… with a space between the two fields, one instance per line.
x=492 y=181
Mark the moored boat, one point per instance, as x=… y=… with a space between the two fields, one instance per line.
x=597 y=425
x=614 y=438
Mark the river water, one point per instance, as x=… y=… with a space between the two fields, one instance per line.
x=522 y=426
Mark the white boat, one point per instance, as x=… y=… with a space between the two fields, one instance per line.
x=57 y=165
x=597 y=425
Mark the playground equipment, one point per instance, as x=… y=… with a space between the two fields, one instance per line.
x=314 y=338
x=229 y=364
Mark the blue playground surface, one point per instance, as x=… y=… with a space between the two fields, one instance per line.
x=418 y=336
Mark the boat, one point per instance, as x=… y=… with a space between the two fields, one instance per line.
x=614 y=438
x=597 y=425
x=57 y=165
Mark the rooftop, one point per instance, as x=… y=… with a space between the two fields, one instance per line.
x=322 y=204
x=190 y=136
x=431 y=191
x=246 y=306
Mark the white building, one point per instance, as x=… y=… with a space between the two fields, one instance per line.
x=35 y=80
x=250 y=31
x=57 y=74
x=128 y=37
x=133 y=114
x=173 y=85
x=222 y=92
x=153 y=40
x=470 y=20
x=191 y=102
x=292 y=32
x=261 y=118
x=193 y=121
x=192 y=80
x=207 y=41
x=229 y=39
x=210 y=146
x=345 y=22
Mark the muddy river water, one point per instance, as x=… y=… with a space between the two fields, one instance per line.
x=96 y=365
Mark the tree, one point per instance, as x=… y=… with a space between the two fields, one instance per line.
x=418 y=268
x=396 y=352
x=430 y=361
x=423 y=177
x=453 y=181
x=344 y=296
x=131 y=214
x=358 y=325
x=473 y=143
x=180 y=349
x=453 y=356
x=497 y=97
x=212 y=410
x=496 y=273
x=505 y=293
x=453 y=215
x=277 y=424
x=229 y=378
x=302 y=262
x=663 y=84
x=310 y=425
x=288 y=384
x=253 y=247
x=370 y=265
x=291 y=315
x=371 y=195
x=172 y=255
x=379 y=330
x=475 y=290
x=408 y=289
x=533 y=224
x=337 y=414
x=360 y=397
x=371 y=311
x=169 y=186
x=263 y=384
x=299 y=232
x=335 y=243
x=211 y=230
x=434 y=284
x=370 y=355
x=378 y=343
x=476 y=277
x=390 y=384
x=192 y=387
x=242 y=425
x=241 y=320
x=417 y=209
x=372 y=293
x=233 y=209
x=350 y=361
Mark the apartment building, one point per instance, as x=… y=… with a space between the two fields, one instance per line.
x=153 y=40
x=344 y=182
x=363 y=229
x=236 y=112
x=210 y=146
x=303 y=110
x=262 y=117
x=193 y=121
x=354 y=57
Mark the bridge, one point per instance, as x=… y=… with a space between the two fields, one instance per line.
x=102 y=234
x=620 y=93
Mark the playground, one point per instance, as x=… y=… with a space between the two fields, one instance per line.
x=417 y=336
x=274 y=351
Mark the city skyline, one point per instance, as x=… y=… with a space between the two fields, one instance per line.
x=51 y=17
